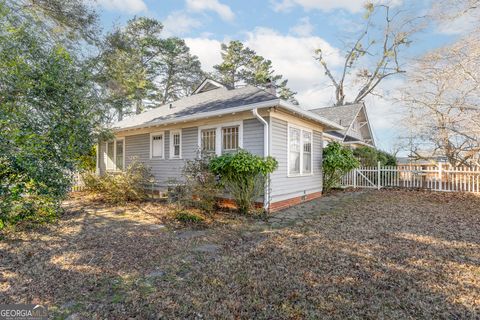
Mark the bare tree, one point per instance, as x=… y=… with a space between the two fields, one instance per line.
x=442 y=97
x=379 y=48
x=452 y=9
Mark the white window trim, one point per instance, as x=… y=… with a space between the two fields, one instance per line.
x=301 y=174
x=115 y=169
x=172 y=132
x=154 y=134
x=219 y=136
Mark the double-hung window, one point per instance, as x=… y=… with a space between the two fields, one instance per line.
x=208 y=140
x=115 y=152
x=220 y=139
x=299 y=151
x=157 y=145
x=230 y=139
x=175 y=144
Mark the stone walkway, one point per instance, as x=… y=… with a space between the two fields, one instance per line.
x=307 y=212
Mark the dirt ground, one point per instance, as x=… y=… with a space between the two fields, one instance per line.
x=350 y=255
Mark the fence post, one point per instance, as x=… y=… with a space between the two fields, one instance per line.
x=354 y=178
x=440 y=176
x=379 y=181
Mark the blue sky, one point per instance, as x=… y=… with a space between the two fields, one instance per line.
x=286 y=32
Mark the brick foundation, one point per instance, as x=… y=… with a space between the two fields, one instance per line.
x=279 y=205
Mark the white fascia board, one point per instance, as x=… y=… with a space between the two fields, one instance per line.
x=311 y=115
x=203 y=115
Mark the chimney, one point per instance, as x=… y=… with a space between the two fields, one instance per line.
x=271 y=88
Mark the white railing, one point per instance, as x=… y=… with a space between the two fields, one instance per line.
x=437 y=177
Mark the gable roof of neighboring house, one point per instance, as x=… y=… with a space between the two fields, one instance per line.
x=345 y=116
x=216 y=102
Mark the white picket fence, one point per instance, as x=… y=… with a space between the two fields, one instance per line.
x=436 y=177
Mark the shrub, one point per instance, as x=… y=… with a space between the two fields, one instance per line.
x=337 y=161
x=121 y=187
x=369 y=157
x=187 y=217
x=243 y=175
x=201 y=188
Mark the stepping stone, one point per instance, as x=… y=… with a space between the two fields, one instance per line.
x=156 y=274
x=207 y=248
x=191 y=234
x=155 y=227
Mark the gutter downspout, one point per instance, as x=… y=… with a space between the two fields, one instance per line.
x=266 y=153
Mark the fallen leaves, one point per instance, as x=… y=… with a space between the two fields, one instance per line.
x=379 y=254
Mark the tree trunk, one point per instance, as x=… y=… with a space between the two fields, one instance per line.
x=138 y=107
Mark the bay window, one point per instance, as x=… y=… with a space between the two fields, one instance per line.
x=299 y=151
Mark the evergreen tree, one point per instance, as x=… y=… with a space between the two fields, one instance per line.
x=242 y=65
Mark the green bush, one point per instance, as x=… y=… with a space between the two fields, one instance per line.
x=369 y=157
x=243 y=175
x=121 y=187
x=337 y=161
x=187 y=217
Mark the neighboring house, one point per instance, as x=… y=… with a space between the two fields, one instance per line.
x=217 y=119
x=356 y=130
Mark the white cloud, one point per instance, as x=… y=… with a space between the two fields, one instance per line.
x=179 y=23
x=130 y=6
x=221 y=9
x=292 y=56
x=461 y=25
x=304 y=28
x=353 y=6
x=207 y=50
x=325 y=5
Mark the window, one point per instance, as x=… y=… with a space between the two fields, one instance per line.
x=299 y=151
x=294 y=156
x=222 y=138
x=229 y=139
x=176 y=144
x=156 y=145
x=307 y=152
x=119 y=155
x=115 y=151
x=209 y=140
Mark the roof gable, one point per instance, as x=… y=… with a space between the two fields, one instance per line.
x=207 y=85
x=348 y=116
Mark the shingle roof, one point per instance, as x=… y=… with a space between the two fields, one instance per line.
x=196 y=104
x=343 y=115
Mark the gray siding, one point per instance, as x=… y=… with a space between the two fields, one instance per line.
x=137 y=146
x=253 y=136
x=283 y=187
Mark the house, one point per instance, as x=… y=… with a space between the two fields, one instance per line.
x=356 y=130
x=217 y=119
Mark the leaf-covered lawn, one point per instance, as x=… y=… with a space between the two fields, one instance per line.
x=387 y=254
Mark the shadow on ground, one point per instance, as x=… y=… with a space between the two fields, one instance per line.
x=387 y=254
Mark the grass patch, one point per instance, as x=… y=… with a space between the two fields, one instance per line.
x=188 y=217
